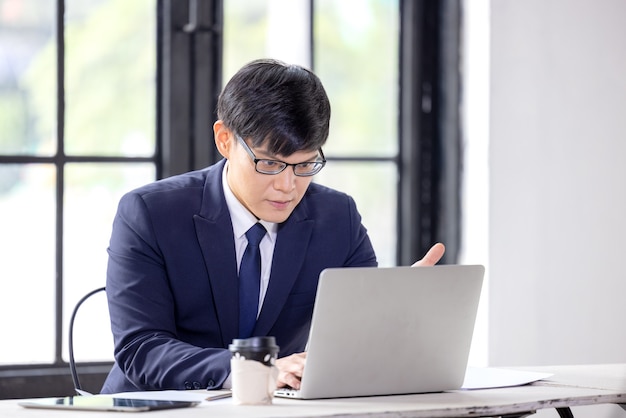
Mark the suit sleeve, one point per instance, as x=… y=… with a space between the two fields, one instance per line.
x=142 y=311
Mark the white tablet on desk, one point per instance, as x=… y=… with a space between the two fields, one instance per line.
x=105 y=403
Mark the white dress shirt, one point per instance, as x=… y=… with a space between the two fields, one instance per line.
x=243 y=220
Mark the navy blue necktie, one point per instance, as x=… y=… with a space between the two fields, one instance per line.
x=250 y=281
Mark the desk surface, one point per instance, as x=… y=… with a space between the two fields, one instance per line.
x=570 y=386
x=604 y=376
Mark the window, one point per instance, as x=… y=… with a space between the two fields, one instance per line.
x=76 y=131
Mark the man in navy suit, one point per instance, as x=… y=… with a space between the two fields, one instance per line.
x=177 y=244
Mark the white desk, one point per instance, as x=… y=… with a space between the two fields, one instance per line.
x=570 y=386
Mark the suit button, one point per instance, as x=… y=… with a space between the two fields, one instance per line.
x=211 y=383
x=188 y=385
x=197 y=385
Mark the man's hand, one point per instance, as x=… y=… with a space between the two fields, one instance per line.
x=290 y=370
x=432 y=257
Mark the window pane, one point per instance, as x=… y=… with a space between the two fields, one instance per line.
x=110 y=77
x=27 y=240
x=265 y=29
x=91 y=197
x=373 y=187
x=27 y=94
x=356 y=56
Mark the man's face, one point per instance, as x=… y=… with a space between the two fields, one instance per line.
x=273 y=197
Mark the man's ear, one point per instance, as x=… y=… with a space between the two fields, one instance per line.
x=223 y=138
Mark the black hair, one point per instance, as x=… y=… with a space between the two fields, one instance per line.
x=282 y=106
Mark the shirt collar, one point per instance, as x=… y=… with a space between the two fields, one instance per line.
x=241 y=217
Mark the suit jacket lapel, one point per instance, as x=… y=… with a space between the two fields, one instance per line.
x=289 y=255
x=215 y=237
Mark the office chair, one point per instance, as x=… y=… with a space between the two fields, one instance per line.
x=75 y=379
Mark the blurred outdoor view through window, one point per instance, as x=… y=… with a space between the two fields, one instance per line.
x=110 y=111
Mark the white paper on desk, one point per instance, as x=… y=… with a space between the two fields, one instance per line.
x=490 y=377
x=176 y=395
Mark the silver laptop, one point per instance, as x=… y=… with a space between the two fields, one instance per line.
x=384 y=331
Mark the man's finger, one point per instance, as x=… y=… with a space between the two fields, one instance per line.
x=432 y=257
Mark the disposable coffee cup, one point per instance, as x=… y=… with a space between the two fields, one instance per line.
x=253 y=372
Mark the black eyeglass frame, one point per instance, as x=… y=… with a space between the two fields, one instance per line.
x=283 y=164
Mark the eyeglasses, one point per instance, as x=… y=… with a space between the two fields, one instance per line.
x=263 y=166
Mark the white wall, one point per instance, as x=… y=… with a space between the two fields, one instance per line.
x=557 y=185
x=557 y=182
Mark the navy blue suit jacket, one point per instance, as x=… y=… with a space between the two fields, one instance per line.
x=172 y=278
